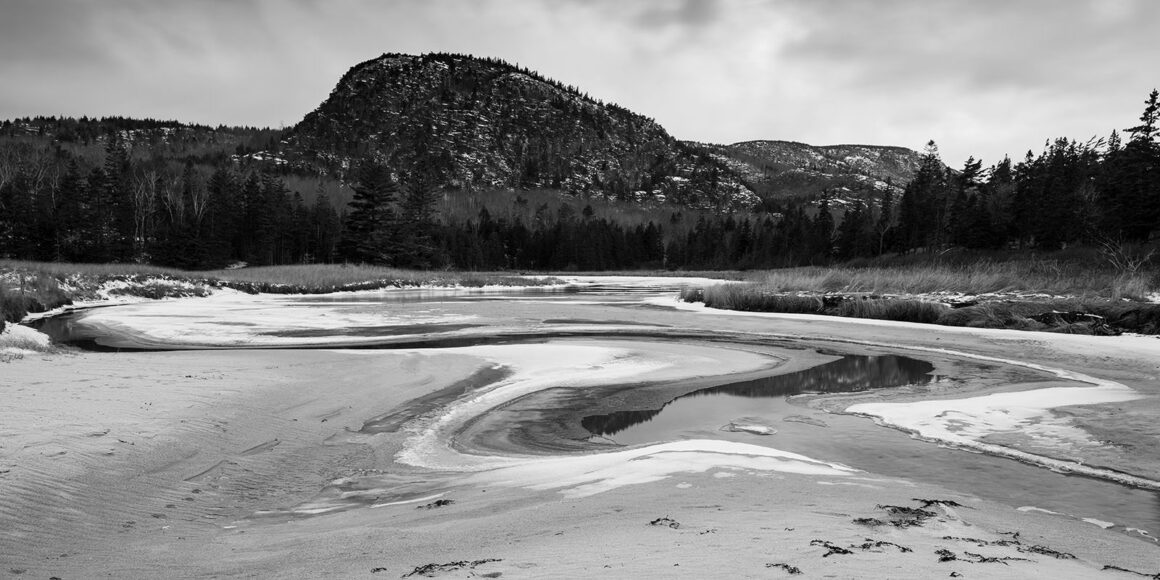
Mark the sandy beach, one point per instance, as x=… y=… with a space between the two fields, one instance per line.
x=351 y=463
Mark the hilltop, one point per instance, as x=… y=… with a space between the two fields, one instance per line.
x=479 y=124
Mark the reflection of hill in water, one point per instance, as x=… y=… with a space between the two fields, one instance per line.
x=846 y=375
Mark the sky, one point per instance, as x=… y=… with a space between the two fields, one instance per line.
x=982 y=78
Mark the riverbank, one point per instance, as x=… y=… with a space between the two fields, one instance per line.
x=1006 y=310
x=138 y=462
x=130 y=480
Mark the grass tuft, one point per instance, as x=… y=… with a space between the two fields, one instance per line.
x=882 y=309
x=753 y=299
x=20 y=295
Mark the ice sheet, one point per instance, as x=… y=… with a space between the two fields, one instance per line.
x=581 y=476
x=586 y=363
x=245 y=320
x=965 y=422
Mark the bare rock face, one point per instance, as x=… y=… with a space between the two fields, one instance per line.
x=485 y=124
x=787 y=169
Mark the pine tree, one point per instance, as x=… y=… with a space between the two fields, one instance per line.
x=1135 y=186
x=884 y=227
x=118 y=211
x=1147 y=130
x=223 y=215
x=416 y=245
x=923 y=207
x=371 y=228
x=822 y=237
x=325 y=229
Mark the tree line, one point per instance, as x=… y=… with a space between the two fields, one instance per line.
x=56 y=205
x=1100 y=190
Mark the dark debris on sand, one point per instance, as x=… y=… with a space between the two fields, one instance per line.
x=1045 y=551
x=430 y=570
x=905 y=517
x=1013 y=541
x=832 y=549
x=945 y=555
x=869 y=545
x=1155 y=576
x=436 y=504
x=929 y=502
x=665 y=522
x=792 y=570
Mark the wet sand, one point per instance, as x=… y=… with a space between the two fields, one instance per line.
x=200 y=464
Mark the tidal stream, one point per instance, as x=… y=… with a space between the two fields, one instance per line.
x=762 y=411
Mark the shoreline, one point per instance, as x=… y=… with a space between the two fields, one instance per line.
x=252 y=430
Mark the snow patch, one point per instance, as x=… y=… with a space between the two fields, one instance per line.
x=1100 y=523
x=1031 y=508
x=22 y=340
x=588 y=475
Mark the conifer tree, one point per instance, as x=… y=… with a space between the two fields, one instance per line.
x=118 y=209
x=371 y=227
x=922 y=209
x=1134 y=184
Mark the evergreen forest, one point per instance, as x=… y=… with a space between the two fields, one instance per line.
x=93 y=193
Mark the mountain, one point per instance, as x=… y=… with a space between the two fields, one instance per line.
x=473 y=123
x=470 y=123
x=786 y=169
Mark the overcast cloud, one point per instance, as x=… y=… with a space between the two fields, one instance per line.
x=980 y=77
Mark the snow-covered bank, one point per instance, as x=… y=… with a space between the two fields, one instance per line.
x=119 y=291
x=969 y=422
x=16 y=341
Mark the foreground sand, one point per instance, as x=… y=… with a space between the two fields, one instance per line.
x=147 y=465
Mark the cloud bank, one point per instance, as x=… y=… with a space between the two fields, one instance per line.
x=982 y=78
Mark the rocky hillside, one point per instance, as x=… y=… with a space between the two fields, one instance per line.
x=786 y=169
x=481 y=124
x=484 y=124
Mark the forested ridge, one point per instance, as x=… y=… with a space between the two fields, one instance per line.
x=126 y=190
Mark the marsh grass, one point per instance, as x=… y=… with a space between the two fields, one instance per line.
x=1113 y=315
x=1009 y=291
x=1052 y=277
x=899 y=309
x=1123 y=315
x=322 y=278
x=20 y=295
x=748 y=297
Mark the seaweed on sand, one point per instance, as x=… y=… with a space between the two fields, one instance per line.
x=430 y=570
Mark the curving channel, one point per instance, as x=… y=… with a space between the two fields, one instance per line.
x=569 y=401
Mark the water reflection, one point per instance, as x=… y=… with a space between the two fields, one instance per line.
x=849 y=374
